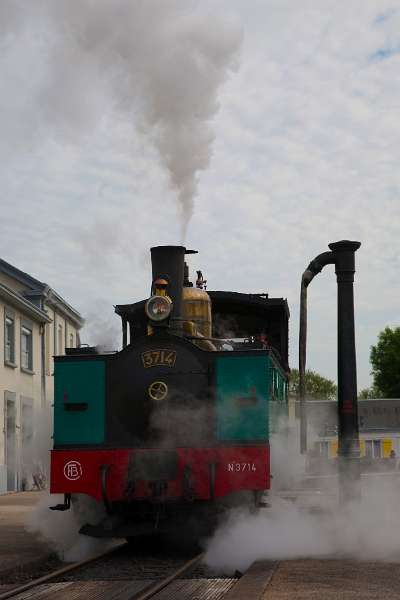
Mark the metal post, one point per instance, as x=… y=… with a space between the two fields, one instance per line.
x=302 y=367
x=349 y=445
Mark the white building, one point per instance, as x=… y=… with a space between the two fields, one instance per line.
x=35 y=324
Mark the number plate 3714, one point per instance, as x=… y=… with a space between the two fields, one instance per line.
x=237 y=467
x=156 y=358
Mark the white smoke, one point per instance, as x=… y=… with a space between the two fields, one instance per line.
x=60 y=529
x=310 y=523
x=104 y=332
x=365 y=530
x=159 y=63
x=281 y=531
x=43 y=431
x=287 y=464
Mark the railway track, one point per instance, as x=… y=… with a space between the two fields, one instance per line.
x=150 y=570
x=332 y=578
x=116 y=574
x=57 y=573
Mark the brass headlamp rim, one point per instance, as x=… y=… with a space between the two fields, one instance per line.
x=163 y=316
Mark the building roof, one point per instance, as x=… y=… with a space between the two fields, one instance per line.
x=37 y=293
x=20 y=302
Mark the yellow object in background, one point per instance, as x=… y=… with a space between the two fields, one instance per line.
x=386 y=448
x=386 y=444
x=362 y=447
x=334 y=448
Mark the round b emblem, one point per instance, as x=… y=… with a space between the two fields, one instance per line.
x=73 y=470
x=158 y=390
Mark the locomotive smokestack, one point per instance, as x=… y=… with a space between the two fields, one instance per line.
x=168 y=262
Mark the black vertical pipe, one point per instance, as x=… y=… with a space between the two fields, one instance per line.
x=302 y=366
x=315 y=267
x=348 y=434
x=168 y=263
x=343 y=256
x=347 y=369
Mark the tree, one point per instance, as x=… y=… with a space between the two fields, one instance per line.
x=317 y=387
x=370 y=392
x=385 y=361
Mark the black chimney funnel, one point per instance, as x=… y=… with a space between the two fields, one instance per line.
x=168 y=262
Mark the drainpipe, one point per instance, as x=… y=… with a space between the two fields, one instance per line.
x=42 y=329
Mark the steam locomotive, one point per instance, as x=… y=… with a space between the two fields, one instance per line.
x=176 y=425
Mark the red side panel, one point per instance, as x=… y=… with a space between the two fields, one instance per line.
x=236 y=468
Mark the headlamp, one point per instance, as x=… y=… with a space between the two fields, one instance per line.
x=158 y=308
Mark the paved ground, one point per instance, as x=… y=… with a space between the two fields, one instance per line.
x=334 y=580
x=17 y=546
x=283 y=580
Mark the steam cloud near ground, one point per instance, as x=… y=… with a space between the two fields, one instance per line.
x=159 y=64
x=60 y=530
x=363 y=530
x=366 y=530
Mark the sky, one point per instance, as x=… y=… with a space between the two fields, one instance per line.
x=261 y=130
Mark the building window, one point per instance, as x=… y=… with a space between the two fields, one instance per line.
x=324 y=449
x=377 y=449
x=71 y=340
x=60 y=340
x=373 y=449
x=26 y=348
x=368 y=448
x=9 y=340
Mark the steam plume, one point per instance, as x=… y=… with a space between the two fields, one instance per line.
x=313 y=526
x=158 y=62
x=60 y=530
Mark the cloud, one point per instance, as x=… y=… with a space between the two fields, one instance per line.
x=161 y=67
x=384 y=53
x=305 y=153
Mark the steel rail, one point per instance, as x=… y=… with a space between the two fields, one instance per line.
x=59 y=572
x=154 y=588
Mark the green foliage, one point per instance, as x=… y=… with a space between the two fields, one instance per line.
x=367 y=393
x=385 y=361
x=317 y=387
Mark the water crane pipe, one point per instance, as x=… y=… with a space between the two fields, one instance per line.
x=315 y=267
x=342 y=255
